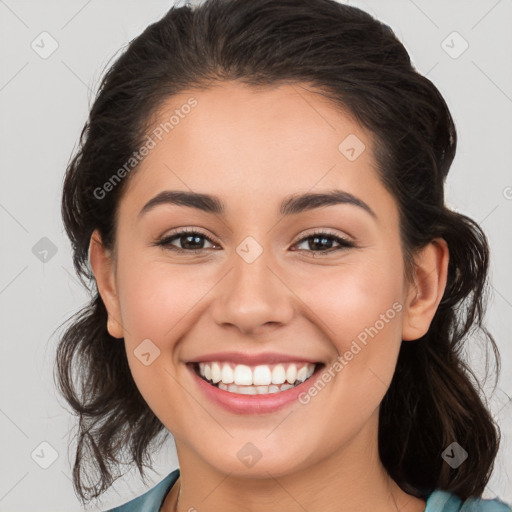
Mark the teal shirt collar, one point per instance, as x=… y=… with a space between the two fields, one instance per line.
x=437 y=501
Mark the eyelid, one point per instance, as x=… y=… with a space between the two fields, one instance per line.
x=166 y=240
x=188 y=229
x=324 y=231
x=316 y=231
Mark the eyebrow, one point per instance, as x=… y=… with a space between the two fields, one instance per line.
x=290 y=206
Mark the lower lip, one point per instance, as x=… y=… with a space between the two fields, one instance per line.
x=252 y=404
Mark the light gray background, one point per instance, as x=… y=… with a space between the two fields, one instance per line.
x=44 y=104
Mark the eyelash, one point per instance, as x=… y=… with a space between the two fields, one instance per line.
x=166 y=241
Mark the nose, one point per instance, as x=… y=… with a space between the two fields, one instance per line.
x=253 y=297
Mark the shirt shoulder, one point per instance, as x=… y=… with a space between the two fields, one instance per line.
x=151 y=500
x=444 y=501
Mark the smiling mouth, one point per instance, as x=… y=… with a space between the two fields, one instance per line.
x=255 y=380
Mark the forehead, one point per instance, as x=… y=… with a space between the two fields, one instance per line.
x=249 y=145
x=258 y=123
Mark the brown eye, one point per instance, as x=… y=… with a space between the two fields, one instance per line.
x=189 y=240
x=322 y=242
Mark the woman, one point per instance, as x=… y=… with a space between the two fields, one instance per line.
x=277 y=282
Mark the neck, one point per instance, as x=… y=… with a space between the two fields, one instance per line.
x=351 y=479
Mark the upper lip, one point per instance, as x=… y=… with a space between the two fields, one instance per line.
x=252 y=359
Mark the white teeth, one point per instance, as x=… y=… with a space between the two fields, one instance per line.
x=226 y=374
x=261 y=376
x=278 y=374
x=291 y=374
x=216 y=373
x=254 y=390
x=246 y=390
x=260 y=379
x=301 y=374
x=243 y=375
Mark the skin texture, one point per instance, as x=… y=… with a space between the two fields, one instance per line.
x=252 y=148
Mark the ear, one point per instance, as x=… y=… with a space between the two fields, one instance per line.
x=425 y=294
x=102 y=265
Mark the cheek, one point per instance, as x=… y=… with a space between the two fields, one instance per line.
x=156 y=300
x=352 y=298
x=358 y=307
x=156 y=296
x=360 y=313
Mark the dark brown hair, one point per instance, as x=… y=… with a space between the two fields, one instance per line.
x=358 y=62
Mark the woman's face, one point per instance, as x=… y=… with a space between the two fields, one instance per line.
x=256 y=282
